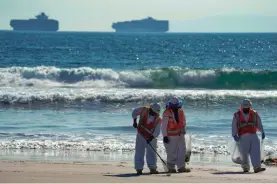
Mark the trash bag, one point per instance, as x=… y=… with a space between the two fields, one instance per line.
x=262 y=147
x=188 y=147
x=236 y=156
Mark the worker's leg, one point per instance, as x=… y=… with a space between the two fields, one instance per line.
x=244 y=148
x=151 y=156
x=171 y=151
x=255 y=151
x=181 y=152
x=139 y=152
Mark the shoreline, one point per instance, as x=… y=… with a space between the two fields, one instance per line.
x=111 y=172
x=100 y=156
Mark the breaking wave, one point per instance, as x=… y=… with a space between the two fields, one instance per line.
x=165 y=78
x=77 y=96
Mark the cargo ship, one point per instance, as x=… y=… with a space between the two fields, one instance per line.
x=41 y=23
x=148 y=24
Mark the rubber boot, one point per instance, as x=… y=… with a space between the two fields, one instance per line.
x=139 y=171
x=172 y=171
x=154 y=171
x=259 y=169
x=183 y=169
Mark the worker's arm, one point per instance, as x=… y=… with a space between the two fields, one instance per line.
x=157 y=131
x=164 y=125
x=234 y=126
x=136 y=112
x=185 y=123
x=259 y=124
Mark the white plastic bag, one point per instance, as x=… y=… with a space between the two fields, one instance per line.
x=236 y=156
x=262 y=151
x=188 y=147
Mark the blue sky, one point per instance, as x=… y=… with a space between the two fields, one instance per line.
x=184 y=15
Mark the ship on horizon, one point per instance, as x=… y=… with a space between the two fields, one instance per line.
x=148 y=24
x=41 y=23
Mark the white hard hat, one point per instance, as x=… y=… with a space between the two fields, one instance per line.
x=156 y=108
x=246 y=103
x=175 y=102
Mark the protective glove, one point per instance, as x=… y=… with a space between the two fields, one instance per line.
x=150 y=139
x=236 y=138
x=263 y=135
x=135 y=125
x=166 y=140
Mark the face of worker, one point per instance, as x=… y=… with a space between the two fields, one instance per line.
x=174 y=108
x=152 y=113
x=246 y=110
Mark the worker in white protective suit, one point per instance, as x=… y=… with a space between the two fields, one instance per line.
x=148 y=129
x=173 y=130
x=246 y=122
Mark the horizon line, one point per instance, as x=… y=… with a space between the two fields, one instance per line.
x=169 y=32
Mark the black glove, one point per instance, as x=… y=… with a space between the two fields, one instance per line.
x=150 y=139
x=166 y=140
x=135 y=125
x=263 y=135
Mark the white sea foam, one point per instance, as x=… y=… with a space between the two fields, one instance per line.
x=106 y=143
x=172 y=77
x=22 y=95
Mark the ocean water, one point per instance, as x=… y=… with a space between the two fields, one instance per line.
x=69 y=96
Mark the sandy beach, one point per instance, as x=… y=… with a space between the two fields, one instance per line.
x=115 y=172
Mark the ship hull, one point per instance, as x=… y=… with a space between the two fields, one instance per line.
x=34 y=25
x=141 y=26
x=139 y=31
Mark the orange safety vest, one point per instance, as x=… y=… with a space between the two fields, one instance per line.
x=174 y=128
x=144 y=128
x=244 y=126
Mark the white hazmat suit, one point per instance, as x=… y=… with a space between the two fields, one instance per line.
x=141 y=145
x=176 y=145
x=249 y=144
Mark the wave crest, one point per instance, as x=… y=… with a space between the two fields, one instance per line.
x=166 y=78
x=19 y=95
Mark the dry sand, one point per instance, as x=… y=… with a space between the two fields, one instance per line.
x=122 y=172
